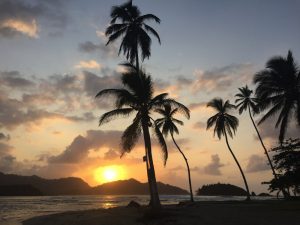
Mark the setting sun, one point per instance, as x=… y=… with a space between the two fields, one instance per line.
x=109 y=173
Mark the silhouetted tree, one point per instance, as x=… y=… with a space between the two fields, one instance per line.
x=278 y=91
x=168 y=125
x=134 y=31
x=246 y=102
x=225 y=123
x=287 y=163
x=134 y=98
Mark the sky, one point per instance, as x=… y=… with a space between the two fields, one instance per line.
x=53 y=61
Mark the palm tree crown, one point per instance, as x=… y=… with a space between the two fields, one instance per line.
x=245 y=101
x=136 y=98
x=168 y=125
x=168 y=122
x=133 y=30
x=224 y=122
x=278 y=90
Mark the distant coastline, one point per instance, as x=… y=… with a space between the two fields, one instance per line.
x=16 y=185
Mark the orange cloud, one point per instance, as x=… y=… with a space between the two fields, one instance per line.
x=27 y=28
x=91 y=64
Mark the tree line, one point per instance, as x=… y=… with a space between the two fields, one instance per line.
x=277 y=94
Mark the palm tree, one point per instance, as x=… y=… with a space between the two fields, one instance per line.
x=133 y=30
x=278 y=91
x=246 y=102
x=225 y=123
x=136 y=98
x=168 y=125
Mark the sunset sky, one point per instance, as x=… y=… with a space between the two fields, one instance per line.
x=53 y=61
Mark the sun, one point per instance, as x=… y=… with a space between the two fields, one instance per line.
x=109 y=173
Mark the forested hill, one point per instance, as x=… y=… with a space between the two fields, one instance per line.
x=11 y=184
x=221 y=189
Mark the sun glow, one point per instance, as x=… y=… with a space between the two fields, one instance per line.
x=109 y=173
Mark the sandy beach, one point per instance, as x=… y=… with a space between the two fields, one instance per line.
x=202 y=213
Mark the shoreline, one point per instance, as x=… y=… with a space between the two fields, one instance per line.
x=267 y=212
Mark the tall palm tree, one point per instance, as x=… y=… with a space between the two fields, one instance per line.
x=128 y=23
x=134 y=98
x=246 y=102
x=225 y=123
x=168 y=125
x=278 y=91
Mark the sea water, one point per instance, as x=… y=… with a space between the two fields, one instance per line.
x=13 y=210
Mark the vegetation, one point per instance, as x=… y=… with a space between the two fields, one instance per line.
x=133 y=29
x=287 y=163
x=168 y=125
x=221 y=189
x=225 y=123
x=138 y=99
x=278 y=91
x=246 y=102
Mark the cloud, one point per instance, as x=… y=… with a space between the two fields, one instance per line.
x=94 y=83
x=6 y=159
x=80 y=147
x=14 y=79
x=21 y=18
x=7 y=163
x=213 y=168
x=220 y=79
x=104 y=50
x=267 y=130
x=111 y=154
x=200 y=125
x=91 y=64
x=26 y=100
x=4 y=149
x=257 y=163
x=15 y=113
x=10 y=26
x=194 y=106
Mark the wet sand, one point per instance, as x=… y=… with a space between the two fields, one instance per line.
x=202 y=213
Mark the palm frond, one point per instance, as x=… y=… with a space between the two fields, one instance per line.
x=153 y=32
x=161 y=142
x=108 y=116
x=145 y=17
x=131 y=136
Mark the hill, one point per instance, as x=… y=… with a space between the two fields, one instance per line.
x=34 y=185
x=133 y=187
x=221 y=189
x=63 y=186
x=19 y=190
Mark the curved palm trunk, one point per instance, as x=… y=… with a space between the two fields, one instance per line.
x=240 y=168
x=286 y=195
x=154 y=197
x=137 y=56
x=188 y=168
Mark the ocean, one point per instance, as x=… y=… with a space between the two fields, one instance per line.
x=13 y=210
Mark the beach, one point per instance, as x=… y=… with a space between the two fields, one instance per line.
x=205 y=213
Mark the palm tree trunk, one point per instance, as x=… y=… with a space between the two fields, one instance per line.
x=154 y=201
x=188 y=168
x=137 y=56
x=240 y=168
x=286 y=195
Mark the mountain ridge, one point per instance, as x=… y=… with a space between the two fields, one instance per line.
x=77 y=186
